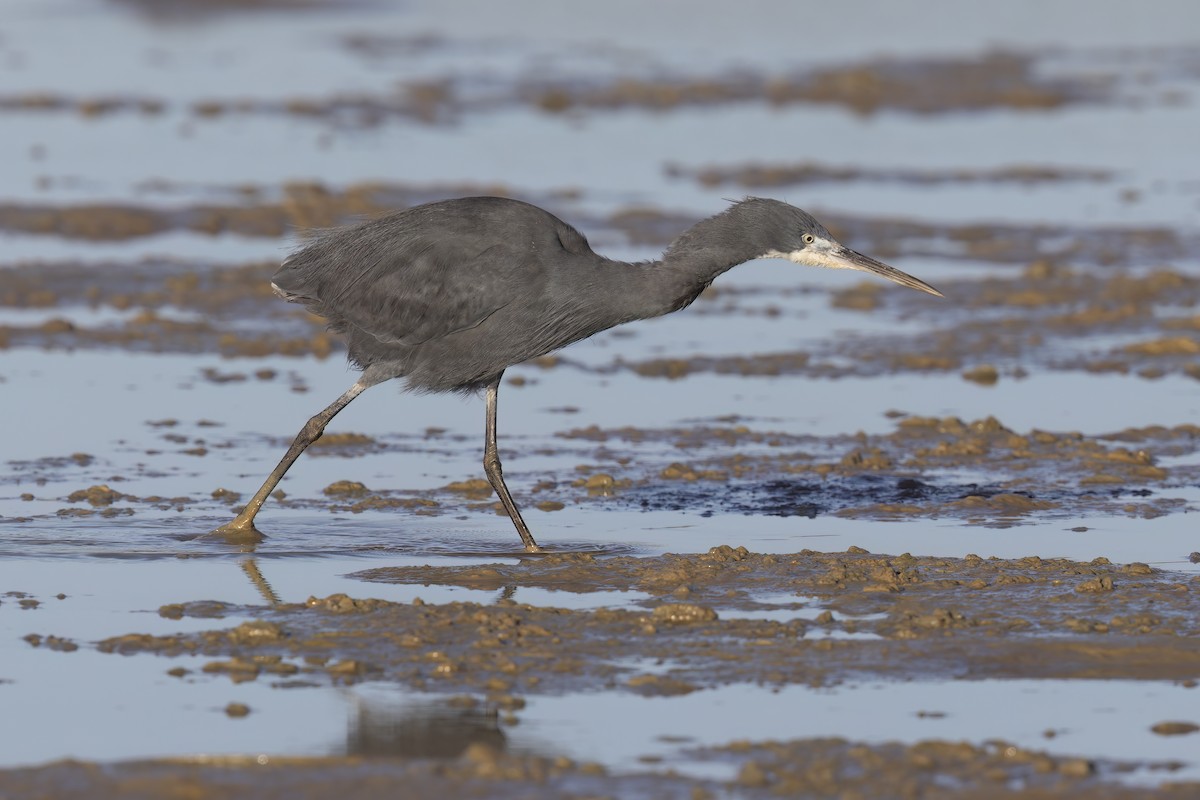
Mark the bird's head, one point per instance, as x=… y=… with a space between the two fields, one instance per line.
x=795 y=235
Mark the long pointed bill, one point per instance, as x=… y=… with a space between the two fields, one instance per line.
x=846 y=258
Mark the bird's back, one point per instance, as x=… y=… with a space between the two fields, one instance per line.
x=401 y=283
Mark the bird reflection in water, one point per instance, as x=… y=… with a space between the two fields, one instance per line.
x=422 y=729
x=419 y=729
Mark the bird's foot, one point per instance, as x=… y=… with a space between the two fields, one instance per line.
x=531 y=546
x=238 y=531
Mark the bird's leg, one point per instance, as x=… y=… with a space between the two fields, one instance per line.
x=242 y=526
x=491 y=466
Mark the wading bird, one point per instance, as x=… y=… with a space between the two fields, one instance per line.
x=448 y=295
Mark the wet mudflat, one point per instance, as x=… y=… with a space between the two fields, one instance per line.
x=898 y=617
x=812 y=537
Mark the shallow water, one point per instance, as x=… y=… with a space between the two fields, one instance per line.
x=184 y=422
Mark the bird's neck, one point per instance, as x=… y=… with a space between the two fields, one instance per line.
x=689 y=265
x=715 y=245
x=695 y=259
x=653 y=288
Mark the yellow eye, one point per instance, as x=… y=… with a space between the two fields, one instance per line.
x=809 y=238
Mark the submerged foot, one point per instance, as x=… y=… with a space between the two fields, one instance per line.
x=238 y=531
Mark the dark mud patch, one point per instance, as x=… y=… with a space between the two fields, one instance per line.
x=915 y=471
x=930 y=618
x=892 y=499
x=818 y=768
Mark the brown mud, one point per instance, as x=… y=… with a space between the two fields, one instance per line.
x=924 y=617
x=817 y=768
x=758 y=176
x=998 y=80
x=258 y=212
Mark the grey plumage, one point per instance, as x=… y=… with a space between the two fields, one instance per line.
x=449 y=294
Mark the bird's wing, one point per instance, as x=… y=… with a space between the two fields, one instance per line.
x=438 y=294
x=411 y=293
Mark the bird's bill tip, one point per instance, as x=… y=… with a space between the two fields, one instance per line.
x=855 y=260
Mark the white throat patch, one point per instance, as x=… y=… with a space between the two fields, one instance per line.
x=817 y=254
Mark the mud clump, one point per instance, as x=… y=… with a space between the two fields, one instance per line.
x=97 y=496
x=659 y=686
x=344 y=604
x=257 y=632
x=472 y=489
x=683 y=614
x=237 y=710
x=418 y=505
x=1174 y=346
x=1003 y=504
x=345 y=489
x=684 y=472
x=984 y=375
x=330 y=441
x=1101 y=583
x=57 y=643
x=600 y=484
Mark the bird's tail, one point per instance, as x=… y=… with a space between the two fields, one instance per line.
x=291 y=297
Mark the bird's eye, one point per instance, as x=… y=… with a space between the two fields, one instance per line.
x=809 y=238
